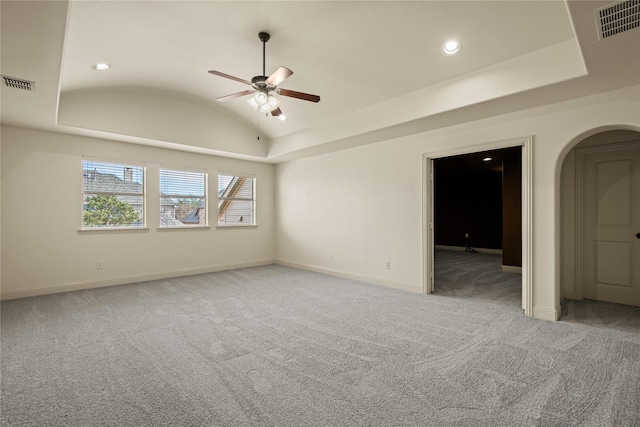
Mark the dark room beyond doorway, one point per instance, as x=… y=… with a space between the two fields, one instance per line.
x=478 y=204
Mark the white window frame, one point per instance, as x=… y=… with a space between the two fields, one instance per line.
x=222 y=199
x=205 y=197
x=120 y=164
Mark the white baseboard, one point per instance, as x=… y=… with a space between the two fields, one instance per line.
x=511 y=269
x=362 y=278
x=54 y=289
x=462 y=249
x=545 y=313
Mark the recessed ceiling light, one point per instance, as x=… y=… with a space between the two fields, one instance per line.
x=451 y=47
x=487 y=159
x=101 y=67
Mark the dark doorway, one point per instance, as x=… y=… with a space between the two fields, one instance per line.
x=478 y=208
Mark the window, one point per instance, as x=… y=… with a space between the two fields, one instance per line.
x=236 y=200
x=183 y=198
x=112 y=195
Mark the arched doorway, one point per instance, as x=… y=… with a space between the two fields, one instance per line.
x=600 y=201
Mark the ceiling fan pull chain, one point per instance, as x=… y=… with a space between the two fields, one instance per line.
x=258 y=123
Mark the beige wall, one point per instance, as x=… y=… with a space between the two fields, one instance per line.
x=43 y=251
x=364 y=205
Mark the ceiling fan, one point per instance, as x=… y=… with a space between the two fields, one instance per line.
x=264 y=87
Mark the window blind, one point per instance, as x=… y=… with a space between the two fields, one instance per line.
x=112 y=195
x=236 y=200
x=183 y=198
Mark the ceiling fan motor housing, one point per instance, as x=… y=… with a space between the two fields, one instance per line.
x=261 y=82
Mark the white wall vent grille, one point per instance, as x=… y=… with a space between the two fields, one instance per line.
x=617 y=18
x=19 y=83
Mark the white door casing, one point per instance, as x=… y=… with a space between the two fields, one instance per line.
x=527 y=226
x=608 y=180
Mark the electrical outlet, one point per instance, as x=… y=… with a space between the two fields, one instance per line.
x=466 y=235
x=330 y=256
x=387 y=265
x=99 y=265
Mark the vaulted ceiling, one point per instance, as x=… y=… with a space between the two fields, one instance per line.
x=377 y=65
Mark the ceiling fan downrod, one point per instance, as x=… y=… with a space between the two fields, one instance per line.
x=264 y=38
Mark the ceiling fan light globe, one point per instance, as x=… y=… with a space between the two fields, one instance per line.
x=261 y=98
x=252 y=101
x=273 y=102
x=265 y=108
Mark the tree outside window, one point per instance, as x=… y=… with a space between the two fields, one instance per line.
x=112 y=195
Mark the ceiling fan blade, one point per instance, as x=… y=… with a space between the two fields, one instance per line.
x=279 y=76
x=234 y=95
x=278 y=113
x=299 y=95
x=227 y=76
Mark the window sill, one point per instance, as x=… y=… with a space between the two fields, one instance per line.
x=186 y=227
x=222 y=227
x=105 y=230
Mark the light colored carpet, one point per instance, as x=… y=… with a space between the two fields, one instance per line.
x=275 y=346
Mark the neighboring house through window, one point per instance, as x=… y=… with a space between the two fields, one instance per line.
x=112 y=195
x=236 y=199
x=183 y=198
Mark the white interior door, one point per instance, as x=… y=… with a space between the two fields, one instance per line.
x=611 y=223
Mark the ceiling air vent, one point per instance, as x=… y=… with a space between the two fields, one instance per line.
x=19 y=83
x=617 y=18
